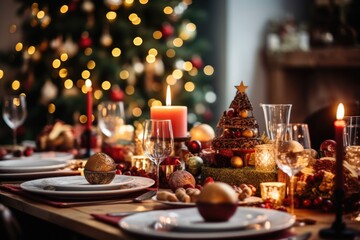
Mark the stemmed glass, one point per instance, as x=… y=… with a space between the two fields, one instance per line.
x=158 y=142
x=291 y=157
x=300 y=133
x=277 y=117
x=111 y=117
x=14 y=113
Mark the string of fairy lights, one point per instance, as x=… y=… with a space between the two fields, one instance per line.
x=66 y=49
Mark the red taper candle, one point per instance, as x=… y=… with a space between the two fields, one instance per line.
x=339 y=134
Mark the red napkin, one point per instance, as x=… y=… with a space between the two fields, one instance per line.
x=112 y=220
x=16 y=189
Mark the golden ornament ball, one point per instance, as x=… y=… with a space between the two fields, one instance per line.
x=237 y=162
x=248 y=133
x=244 y=113
x=202 y=132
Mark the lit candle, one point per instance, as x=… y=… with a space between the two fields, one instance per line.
x=177 y=115
x=88 y=85
x=339 y=133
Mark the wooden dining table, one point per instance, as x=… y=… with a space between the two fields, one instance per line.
x=38 y=218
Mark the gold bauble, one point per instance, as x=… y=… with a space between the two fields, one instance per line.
x=237 y=162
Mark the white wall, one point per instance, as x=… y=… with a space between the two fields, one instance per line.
x=246 y=22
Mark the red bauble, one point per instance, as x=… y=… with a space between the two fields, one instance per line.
x=194 y=146
x=116 y=94
x=230 y=112
x=85 y=42
x=328 y=148
x=197 y=61
x=167 y=30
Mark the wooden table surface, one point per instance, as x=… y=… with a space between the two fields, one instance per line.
x=80 y=221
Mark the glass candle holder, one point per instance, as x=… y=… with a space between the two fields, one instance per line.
x=275 y=191
x=265 y=158
x=141 y=162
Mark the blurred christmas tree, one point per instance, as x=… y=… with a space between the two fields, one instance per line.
x=129 y=49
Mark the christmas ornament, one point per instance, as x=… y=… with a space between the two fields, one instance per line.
x=194 y=146
x=236 y=162
x=116 y=94
x=167 y=30
x=197 y=61
x=48 y=92
x=194 y=165
x=85 y=40
x=202 y=132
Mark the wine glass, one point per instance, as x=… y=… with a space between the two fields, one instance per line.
x=14 y=113
x=158 y=142
x=291 y=157
x=352 y=151
x=111 y=117
x=300 y=133
x=277 y=118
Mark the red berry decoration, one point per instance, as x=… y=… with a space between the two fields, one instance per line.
x=167 y=30
x=28 y=151
x=116 y=94
x=197 y=61
x=85 y=40
x=194 y=146
x=118 y=172
x=237 y=133
x=317 y=202
x=306 y=203
x=227 y=133
x=208 y=180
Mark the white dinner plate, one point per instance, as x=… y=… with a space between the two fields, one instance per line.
x=79 y=183
x=44 y=187
x=143 y=224
x=50 y=155
x=194 y=222
x=246 y=202
x=30 y=165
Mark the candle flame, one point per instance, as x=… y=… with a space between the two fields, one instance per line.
x=88 y=84
x=168 y=96
x=340 y=112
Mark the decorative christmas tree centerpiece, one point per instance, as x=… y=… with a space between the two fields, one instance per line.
x=237 y=133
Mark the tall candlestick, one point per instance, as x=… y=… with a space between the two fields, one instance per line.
x=338 y=229
x=177 y=115
x=339 y=134
x=88 y=85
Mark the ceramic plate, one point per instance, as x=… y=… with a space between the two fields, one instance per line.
x=242 y=219
x=143 y=224
x=79 y=183
x=51 y=155
x=36 y=175
x=44 y=187
x=30 y=165
x=245 y=202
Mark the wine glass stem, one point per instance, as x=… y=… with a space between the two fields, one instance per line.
x=292 y=179
x=157 y=183
x=14 y=138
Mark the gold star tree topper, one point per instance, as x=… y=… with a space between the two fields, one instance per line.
x=241 y=88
